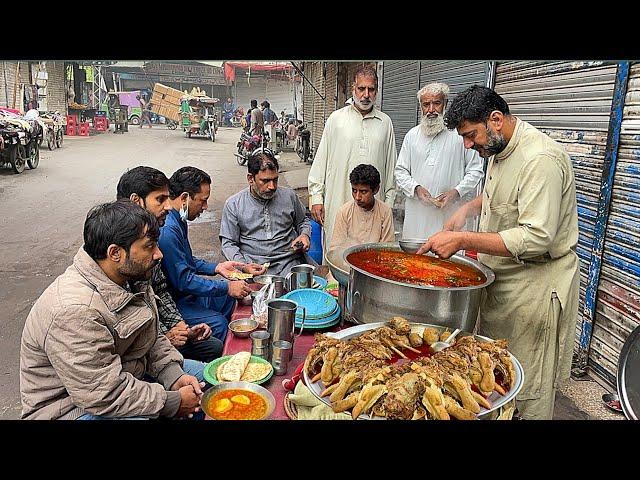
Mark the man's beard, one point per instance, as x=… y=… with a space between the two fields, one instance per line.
x=135 y=271
x=263 y=196
x=432 y=126
x=495 y=144
x=364 y=105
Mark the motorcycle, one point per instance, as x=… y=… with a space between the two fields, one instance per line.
x=237 y=117
x=303 y=143
x=248 y=144
x=171 y=124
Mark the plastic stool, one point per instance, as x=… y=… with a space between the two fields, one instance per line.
x=71 y=130
x=83 y=129
x=72 y=120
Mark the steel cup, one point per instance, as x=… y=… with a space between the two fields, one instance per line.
x=281 y=315
x=281 y=355
x=261 y=344
x=300 y=276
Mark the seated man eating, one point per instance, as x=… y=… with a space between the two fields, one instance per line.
x=264 y=223
x=364 y=219
x=198 y=299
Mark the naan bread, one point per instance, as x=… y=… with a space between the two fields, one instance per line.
x=255 y=371
x=234 y=367
x=240 y=276
x=252 y=373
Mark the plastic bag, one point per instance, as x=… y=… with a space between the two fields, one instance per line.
x=259 y=306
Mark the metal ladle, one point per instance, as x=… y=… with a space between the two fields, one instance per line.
x=438 y=346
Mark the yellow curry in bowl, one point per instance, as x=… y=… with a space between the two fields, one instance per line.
x=236 y=404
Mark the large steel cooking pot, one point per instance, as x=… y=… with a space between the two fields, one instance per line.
x=338 y=267
x=373 y=299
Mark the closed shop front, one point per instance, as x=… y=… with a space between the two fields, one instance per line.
x=399 y=101
x=276 y=89
x=570 y=102
x=618 y=298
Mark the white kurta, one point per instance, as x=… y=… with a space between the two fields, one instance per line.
x=439 y=163
x=348 y=140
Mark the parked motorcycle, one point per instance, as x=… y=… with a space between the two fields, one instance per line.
x=303 y=143
x=249 y=144
x=171 y=125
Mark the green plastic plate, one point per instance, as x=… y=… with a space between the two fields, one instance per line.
x=209 y=372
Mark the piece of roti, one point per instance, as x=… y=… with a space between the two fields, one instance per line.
x=240 y=276
x=256 y=371
x=234 y=367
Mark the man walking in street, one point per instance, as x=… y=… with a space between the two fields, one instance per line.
x=149 y=188
x=354 y=134
x=528 y=237
x=257 y=120
x=144 y=111
x=434 y=170
x=198 y=299
x=90 y=346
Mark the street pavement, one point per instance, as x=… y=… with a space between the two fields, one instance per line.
x=44 y=211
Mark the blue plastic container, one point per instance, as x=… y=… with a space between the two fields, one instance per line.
x=315 y=251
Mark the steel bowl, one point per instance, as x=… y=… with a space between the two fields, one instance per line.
x=411 y=245
x=263 y=392
x=243 y=322
x=339 y=269
x=371 y=298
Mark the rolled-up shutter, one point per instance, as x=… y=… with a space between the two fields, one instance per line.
x=318 y=105
x=399 y=101
x=570 y=102
x=331 y=89
x=279 y=94
x=249 y=88
x=458 y=74
x=618 y=299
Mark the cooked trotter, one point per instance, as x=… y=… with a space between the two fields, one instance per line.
x=345 y=382
x=400 y=325
x=415 y=340
x=456 y=410
x=316 y=377
x=326 y=374
x=499 y=389
x=487 y=366
x=433 y=400
x=367 y=398
x=345 y=404
x=510 y=378
x=464 y=391
x=329 y=390
x=482 y=401
x=430 y=335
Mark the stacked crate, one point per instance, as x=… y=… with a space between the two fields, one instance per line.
x=165 y=101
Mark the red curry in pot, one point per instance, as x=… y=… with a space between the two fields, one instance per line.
x=416 y=269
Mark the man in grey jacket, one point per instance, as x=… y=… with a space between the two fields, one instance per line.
x=90 y=345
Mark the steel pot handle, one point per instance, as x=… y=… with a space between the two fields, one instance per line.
x=304 y=316
x=287 y=281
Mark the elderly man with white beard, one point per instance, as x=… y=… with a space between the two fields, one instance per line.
x=434 y=170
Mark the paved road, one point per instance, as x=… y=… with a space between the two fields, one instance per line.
x=43 y=212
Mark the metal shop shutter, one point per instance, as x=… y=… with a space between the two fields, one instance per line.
x=570 y=102
x=318 y=105
x=459 y=75
x=56 y=93
x=308 y=93
x=400 y=86
x=618 y=299
x=331 y=89
x=279 y=94
x=244 y=92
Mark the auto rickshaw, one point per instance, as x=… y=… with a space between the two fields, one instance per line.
x=199 y=116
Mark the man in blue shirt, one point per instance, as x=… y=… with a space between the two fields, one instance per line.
x=198 y=299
